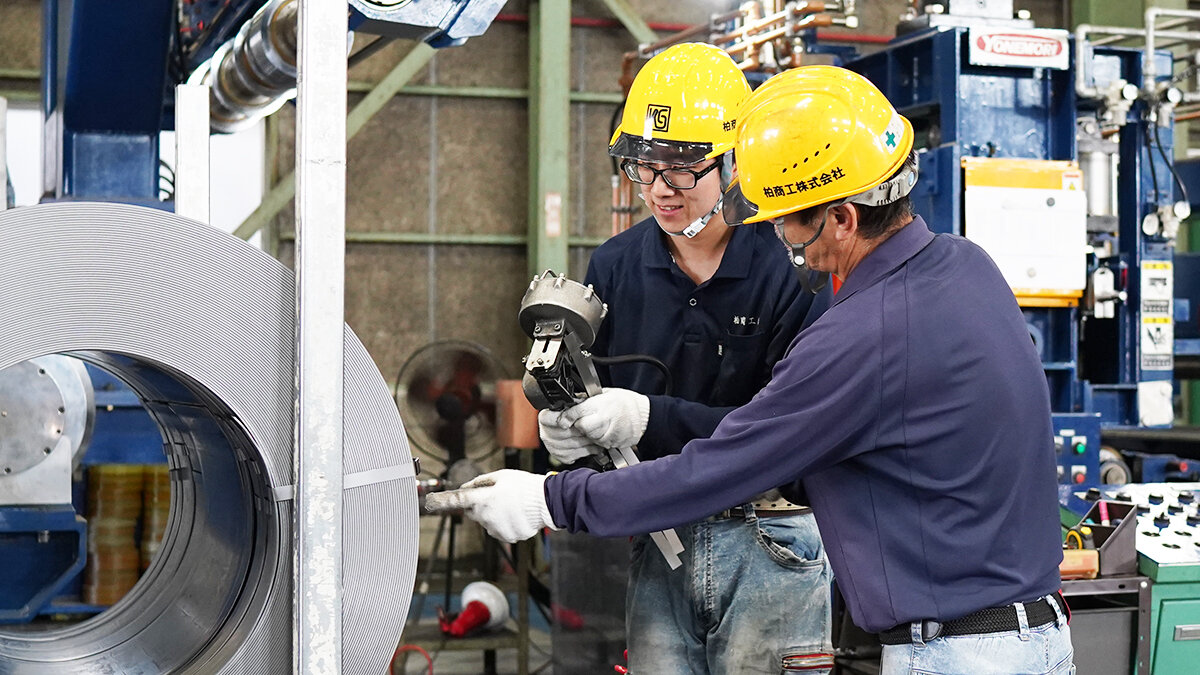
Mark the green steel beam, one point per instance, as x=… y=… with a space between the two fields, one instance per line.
x=448 y=238
x=270 y=231
x=629 y=18
x=610 y=97
x=281 y=194
x=549 y=133
x=488 y=92
x=20 y=94
x=20 y=84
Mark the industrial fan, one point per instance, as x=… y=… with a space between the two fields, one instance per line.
x=445 y=393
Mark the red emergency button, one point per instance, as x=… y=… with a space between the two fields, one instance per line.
x=1079 y=476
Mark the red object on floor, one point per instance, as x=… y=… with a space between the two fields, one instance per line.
x=474 y=615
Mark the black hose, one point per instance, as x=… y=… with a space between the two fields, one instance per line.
x=1150 y=164
x=638 y=358
x=1170 y=165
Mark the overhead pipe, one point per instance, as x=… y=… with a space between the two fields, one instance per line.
x=1083 y=30
x=1149 y=69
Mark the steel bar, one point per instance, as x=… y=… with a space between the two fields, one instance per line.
x=549 y=133
x=320 y=288
x=192 y=155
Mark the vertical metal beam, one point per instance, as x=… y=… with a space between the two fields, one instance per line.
x=320 y=285
x=633 y=23
x=270 y=230
x=3 y=153
x=549 y=133
x=192 y=155
x=281 y=194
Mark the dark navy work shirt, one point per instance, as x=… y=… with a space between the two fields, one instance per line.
x=916 y=413
x=719 y=339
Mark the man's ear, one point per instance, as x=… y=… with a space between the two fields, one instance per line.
x=844 y=218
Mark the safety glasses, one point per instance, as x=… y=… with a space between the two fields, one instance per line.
x=674 y=177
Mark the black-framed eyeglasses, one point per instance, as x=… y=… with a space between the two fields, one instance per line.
x=677 y=178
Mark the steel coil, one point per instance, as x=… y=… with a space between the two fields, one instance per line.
x=201 y=325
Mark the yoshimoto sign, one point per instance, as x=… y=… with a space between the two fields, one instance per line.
x=1029 y=48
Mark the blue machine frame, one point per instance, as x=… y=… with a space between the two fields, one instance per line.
x=963 y=110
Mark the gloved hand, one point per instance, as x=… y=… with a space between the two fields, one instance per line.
x=565 y=443
x=615 y=418
x=510 y=504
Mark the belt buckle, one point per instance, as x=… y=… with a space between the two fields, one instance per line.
x=930 y=629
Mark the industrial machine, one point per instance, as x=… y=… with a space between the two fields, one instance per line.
x=46 y=419
x=108 y=86
x=107 y=97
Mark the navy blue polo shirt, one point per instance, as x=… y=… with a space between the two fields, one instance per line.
x=720 y=339
x=916 y=413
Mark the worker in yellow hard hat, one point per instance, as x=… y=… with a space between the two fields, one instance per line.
x=914 y=411
x=718 y=306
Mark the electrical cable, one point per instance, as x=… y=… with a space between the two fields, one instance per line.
x=638 y=358
x=201 y=326
x=1150 y=163
x=410 y=648
x=1170 y=165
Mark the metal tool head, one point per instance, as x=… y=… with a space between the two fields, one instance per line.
x=556 y=305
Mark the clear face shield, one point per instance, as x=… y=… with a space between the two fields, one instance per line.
x=673 y=154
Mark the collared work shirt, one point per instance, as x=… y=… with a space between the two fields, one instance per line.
x=917 y=415
x=719 y=339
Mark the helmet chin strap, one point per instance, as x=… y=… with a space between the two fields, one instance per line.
x=697 y=225
x=810 y=282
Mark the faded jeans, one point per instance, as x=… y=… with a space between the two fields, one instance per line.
x=1042 y=650
x=752 y=596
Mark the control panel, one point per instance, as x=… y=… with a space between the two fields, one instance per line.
x=1077 y=449
x=1168 y=523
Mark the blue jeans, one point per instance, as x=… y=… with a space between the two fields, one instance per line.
x=752 y=596
x=1043 y=650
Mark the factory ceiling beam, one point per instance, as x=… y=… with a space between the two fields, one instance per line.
x=549 y=133
x=636 y=25
x=281 y=194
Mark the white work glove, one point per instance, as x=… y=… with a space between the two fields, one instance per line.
x=509 y=504
x=615 y=418
x=565 y=443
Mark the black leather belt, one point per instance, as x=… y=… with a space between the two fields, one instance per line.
x=740 y=512
x=990 y=620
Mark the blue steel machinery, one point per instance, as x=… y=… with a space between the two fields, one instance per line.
x=1053 y=152
x=1055 y=155
x=109 y=70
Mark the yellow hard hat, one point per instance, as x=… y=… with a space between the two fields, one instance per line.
x=815 y=135
x=682 y=107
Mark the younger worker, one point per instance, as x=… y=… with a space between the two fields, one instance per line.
x=719 y=306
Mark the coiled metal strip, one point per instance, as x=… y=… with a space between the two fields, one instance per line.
x=201 y=325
